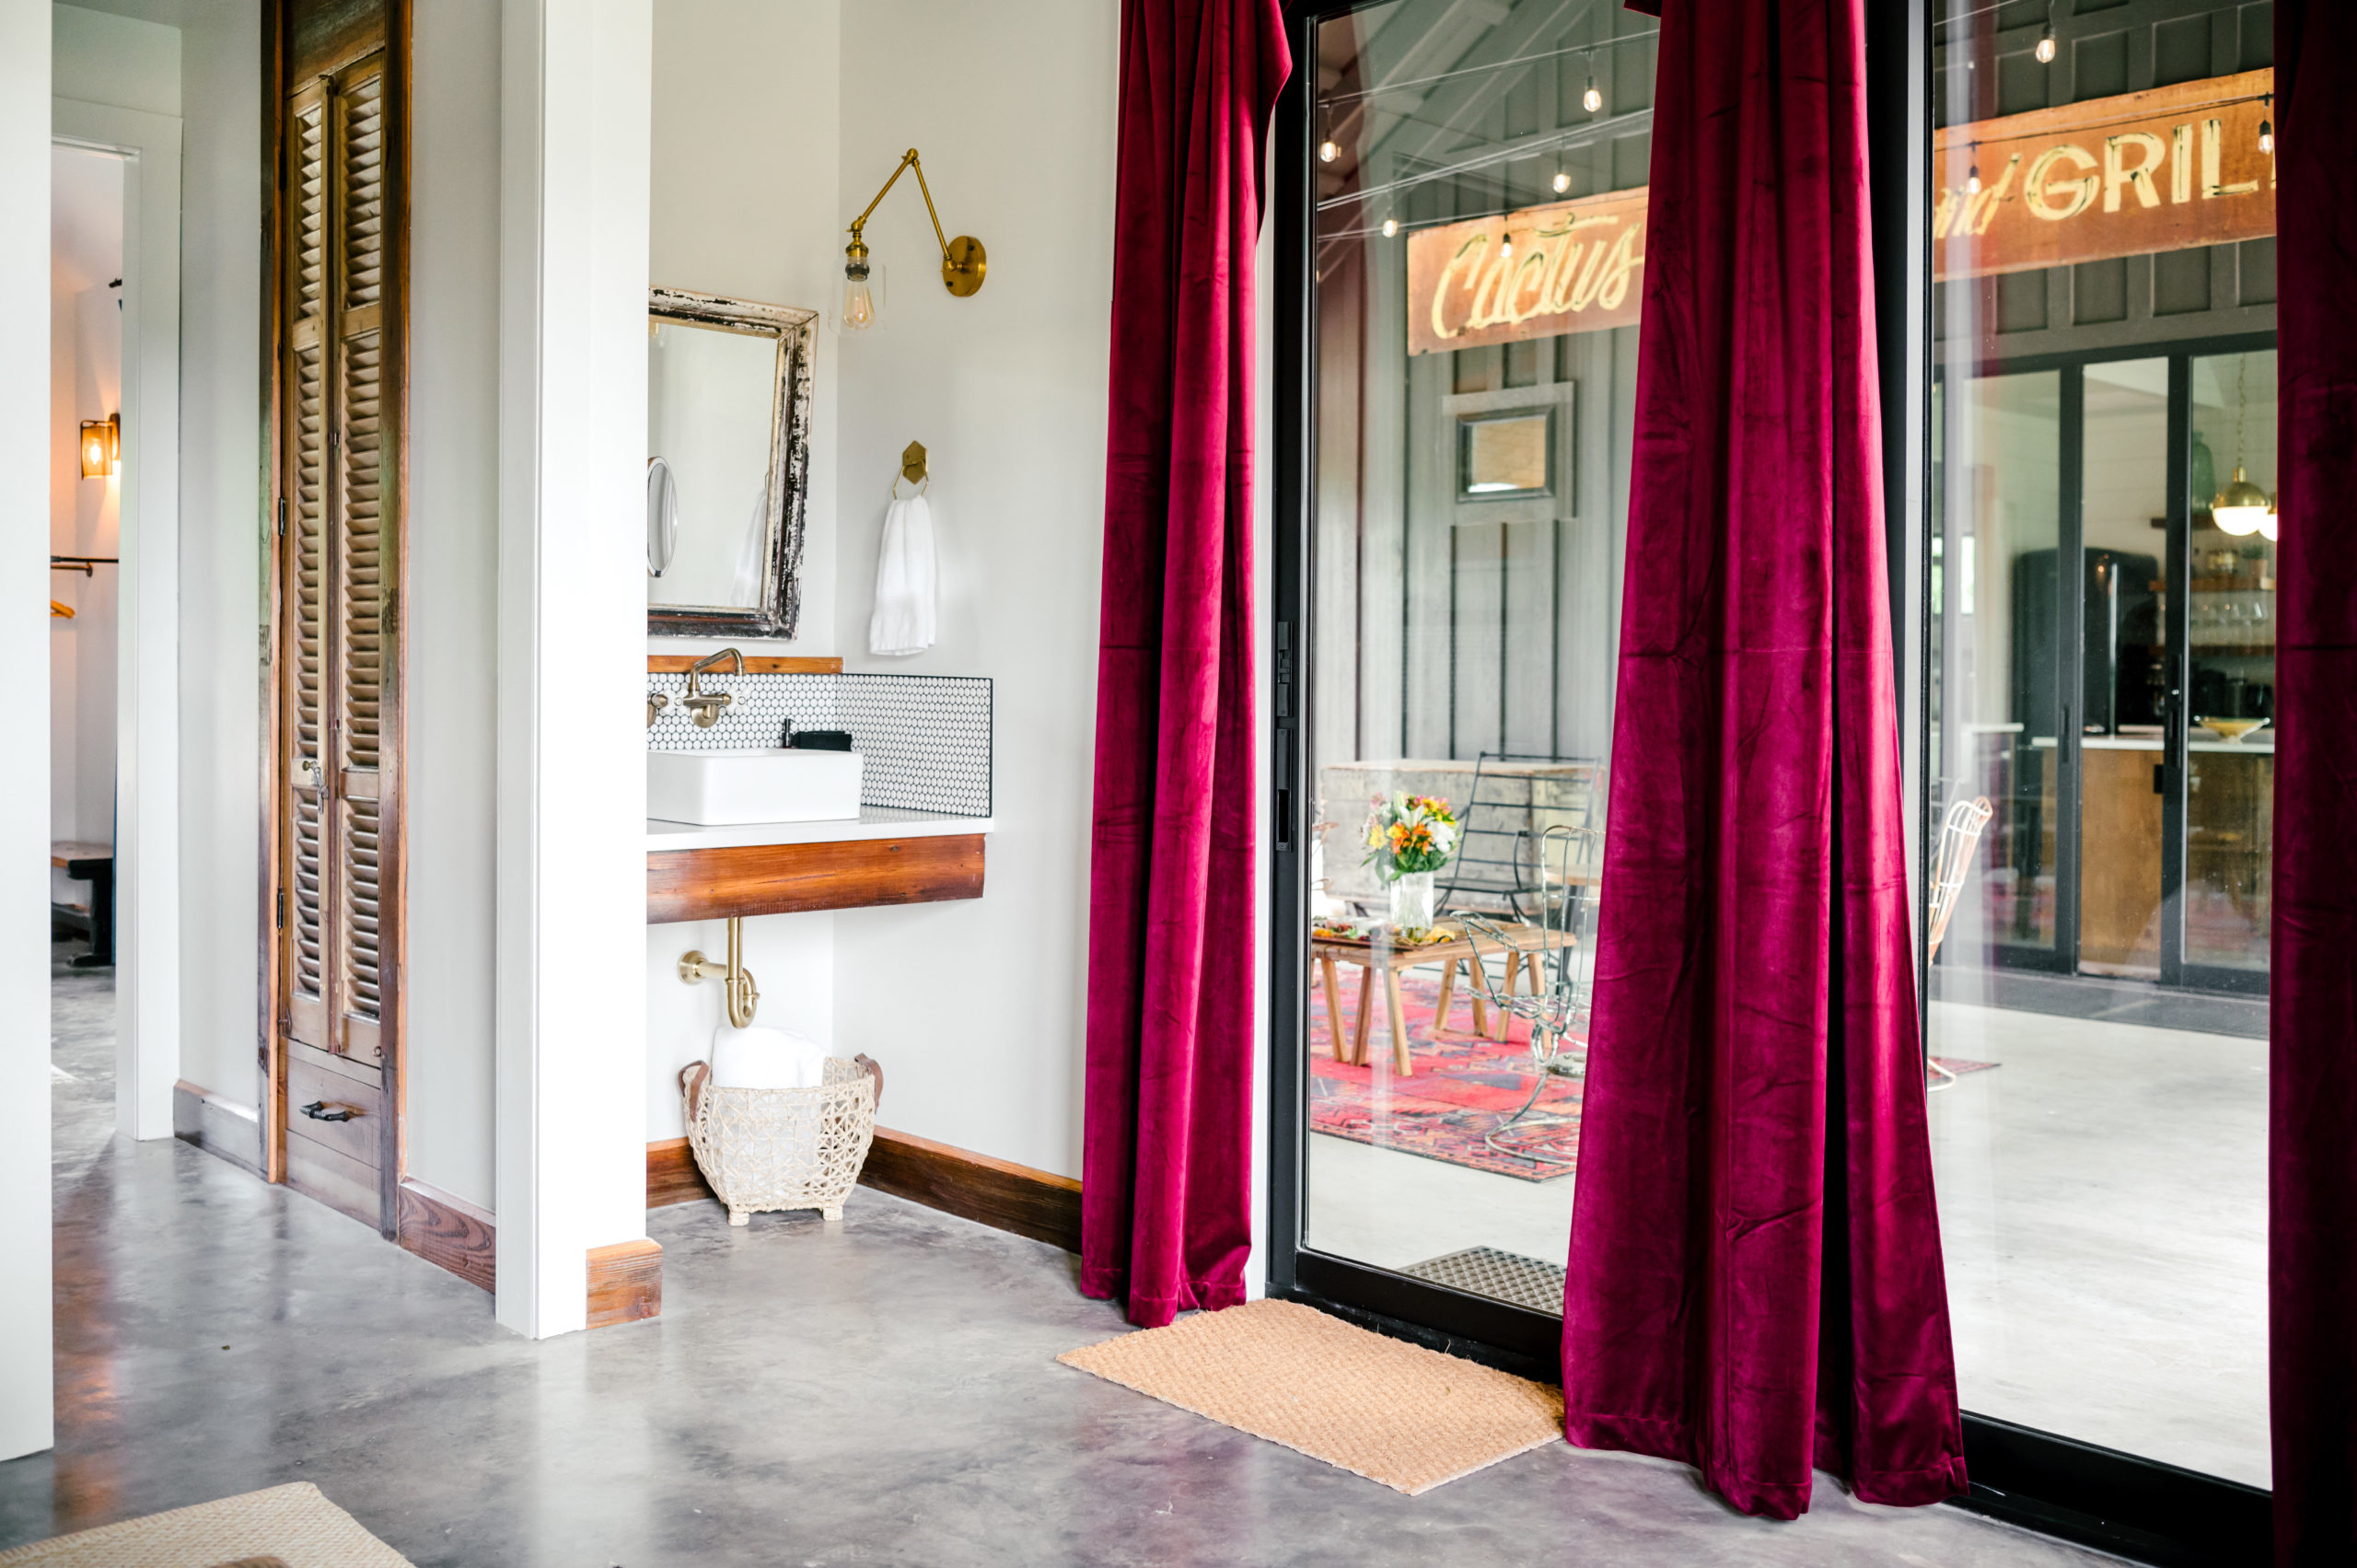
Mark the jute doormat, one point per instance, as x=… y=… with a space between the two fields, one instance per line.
x=290 y=1525
x=1394 y=1413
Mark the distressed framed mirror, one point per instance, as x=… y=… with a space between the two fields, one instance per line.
x=728 y=389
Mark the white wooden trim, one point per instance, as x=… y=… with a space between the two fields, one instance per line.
x=147 y=699
x=26 y=1386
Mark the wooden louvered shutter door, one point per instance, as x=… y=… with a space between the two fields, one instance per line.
x=337 y=675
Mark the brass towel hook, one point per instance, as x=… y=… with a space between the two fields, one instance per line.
x=912 y=469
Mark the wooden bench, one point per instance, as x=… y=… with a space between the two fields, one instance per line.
x=94 y=864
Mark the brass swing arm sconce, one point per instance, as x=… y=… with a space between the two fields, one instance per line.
x=962 y=259
x=695 y=969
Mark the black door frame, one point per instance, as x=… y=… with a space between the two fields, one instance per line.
x=2119 y=1501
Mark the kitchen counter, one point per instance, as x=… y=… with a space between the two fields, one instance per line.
x=872 y=822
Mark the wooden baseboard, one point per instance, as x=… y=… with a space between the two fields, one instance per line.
x=448 y=1232
x=995 y=1192
x=625 y=1283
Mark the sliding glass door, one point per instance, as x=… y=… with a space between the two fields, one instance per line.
x=2087 y=593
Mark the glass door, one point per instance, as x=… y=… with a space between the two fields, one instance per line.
x=1476 y=206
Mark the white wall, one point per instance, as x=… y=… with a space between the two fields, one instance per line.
x=453 y=595
x=976 y=1009
x=121 y=61
x=26 y=1378
x=743 y=197
x=223 y=493
x=745 y=204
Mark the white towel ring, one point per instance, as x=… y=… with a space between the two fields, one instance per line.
x=923 y=485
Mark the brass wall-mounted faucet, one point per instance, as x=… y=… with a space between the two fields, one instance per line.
x=704 y=706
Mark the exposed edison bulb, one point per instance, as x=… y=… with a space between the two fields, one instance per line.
x=1390 y=227
x=1591 y=99
x=2046 y=47
x=1972 y=181
x=1506 y=249
x=1329 y=150
x=1563 y=182
x=2267 y=135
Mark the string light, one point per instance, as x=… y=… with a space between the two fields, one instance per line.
x=2046 y=40
x=1390 y=227
x=1972 y=181
x=1562 y=182
x=1327 y=151
x=1506 y=249
x=1591 y=99
x=2267 y=128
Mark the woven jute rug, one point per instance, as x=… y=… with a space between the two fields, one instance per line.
x=286 y=1527
x=1397 y=1413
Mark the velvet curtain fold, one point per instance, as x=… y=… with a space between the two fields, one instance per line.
x=2312 y=1273
x=1166 y=1158
x=1755 y=1272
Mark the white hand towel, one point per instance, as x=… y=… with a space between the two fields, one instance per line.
x=763 y=1058
x=907 y=581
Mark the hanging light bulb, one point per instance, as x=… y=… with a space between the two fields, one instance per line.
x=2267 y=128
x=1591 y=99
x=1391 y=226
x=2046 y=39
x=1506 y=249
x=1327 y=150
x=859 y=305
x=1563 y=182
x=2241 y=508
x=1972 y=181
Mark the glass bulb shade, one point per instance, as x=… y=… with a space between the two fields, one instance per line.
x=2046 y=50
x=1563 y=182
x=2269 y=524
x=94 y=456
x=1327 y=151
x=1592 y=100
x=1390 y=227
x=859 y=305
x=2241 y=508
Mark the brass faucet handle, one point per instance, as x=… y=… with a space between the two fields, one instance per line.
x=655 y=702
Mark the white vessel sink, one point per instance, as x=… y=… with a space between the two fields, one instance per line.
x=717 y=789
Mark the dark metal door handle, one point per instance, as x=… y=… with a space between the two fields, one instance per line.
x=318 y=1111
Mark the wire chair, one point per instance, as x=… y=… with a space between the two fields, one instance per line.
x=1951 y=863
x=1567 y=861
x=1515 y=798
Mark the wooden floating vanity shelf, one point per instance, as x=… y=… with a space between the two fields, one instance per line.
x=753 y=879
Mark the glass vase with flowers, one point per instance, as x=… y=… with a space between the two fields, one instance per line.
x=1409 y=837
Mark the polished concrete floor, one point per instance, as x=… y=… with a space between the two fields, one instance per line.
x=882 y=1392
x=2102 y=1208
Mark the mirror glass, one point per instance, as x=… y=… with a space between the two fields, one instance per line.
x=1504 y=455
x=710 y=409
x=727 y=464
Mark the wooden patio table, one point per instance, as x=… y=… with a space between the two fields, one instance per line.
x=1377 y=952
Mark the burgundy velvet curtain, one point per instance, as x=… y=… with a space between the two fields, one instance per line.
x=1167 y=1162
x=2313 y=1128
x=1755 y=1264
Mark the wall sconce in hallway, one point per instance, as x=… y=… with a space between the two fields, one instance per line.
x=101 y=446
x=962 y=259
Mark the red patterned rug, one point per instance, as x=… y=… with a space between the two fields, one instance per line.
x=1463 y=1087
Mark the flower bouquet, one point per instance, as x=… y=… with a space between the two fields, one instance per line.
x=1409 y=837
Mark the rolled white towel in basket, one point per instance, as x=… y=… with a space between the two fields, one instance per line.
x=764 y=1058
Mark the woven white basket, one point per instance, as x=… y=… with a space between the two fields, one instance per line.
x=782 y=1148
